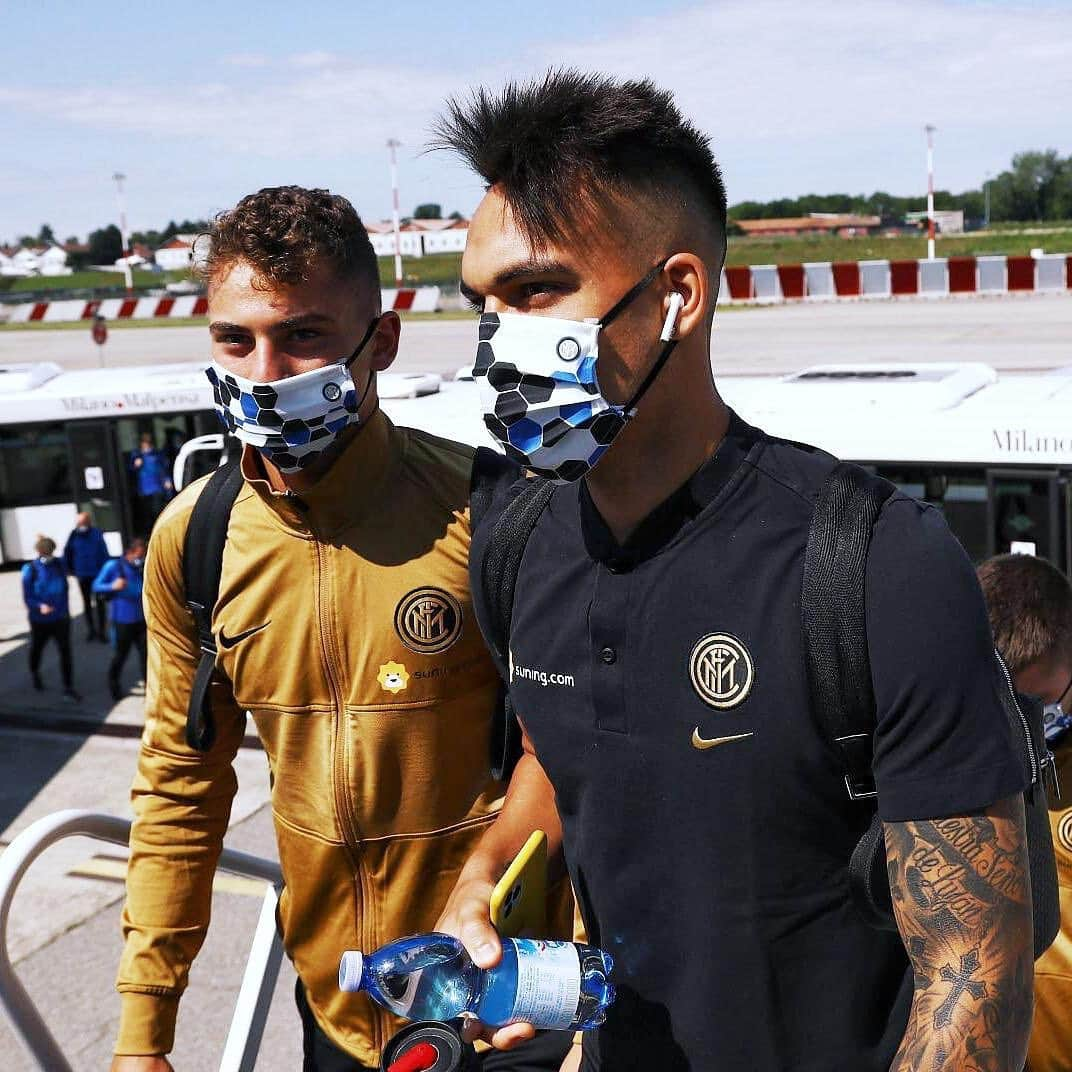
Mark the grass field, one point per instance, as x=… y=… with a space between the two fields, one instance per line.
x=444 y=269
x=799 y=250
x=12 y=286
x=438 y=269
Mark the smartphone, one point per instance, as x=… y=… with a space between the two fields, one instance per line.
x=519 y=900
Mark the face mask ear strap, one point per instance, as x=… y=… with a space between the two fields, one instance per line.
x=357 y=353
x=631 y=294
x=364 y=340
x=660 y=361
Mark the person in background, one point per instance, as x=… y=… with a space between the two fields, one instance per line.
x=121 y=581
x=1030 y=607
x=84 y=554
x=44 y=591
x=152 y=481
x=173 y=441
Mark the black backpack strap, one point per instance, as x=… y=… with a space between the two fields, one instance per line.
x=833 y=606
x=834 y=619
x=502 y=563
x=492 y=473
x=503 y=522
x=202 y=566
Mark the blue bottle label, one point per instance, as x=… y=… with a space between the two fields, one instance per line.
x=548 y=983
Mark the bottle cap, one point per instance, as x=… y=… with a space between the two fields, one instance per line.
x=350 y=969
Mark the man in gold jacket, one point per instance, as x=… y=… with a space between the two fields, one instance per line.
x=343 y=626
x=1030 y=607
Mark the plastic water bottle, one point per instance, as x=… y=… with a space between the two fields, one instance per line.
x=551 y=985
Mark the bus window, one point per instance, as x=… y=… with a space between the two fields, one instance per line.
x=1024 y=516
x=961 y=495
x=965 y=507
x=98 y=479
x=33 y=465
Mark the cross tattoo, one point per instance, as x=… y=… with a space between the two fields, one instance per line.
x=962 y=981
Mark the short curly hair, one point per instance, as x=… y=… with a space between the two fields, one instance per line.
x=286 y=233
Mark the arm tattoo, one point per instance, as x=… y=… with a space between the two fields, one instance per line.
x=962 y=897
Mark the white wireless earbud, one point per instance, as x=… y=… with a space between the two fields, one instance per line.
x=670 y=323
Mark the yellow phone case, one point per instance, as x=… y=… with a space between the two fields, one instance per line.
x=519 y=900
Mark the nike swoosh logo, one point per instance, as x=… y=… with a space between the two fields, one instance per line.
x=230 y=641
x=711 y=742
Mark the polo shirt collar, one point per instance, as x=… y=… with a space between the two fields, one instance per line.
x=342 y=495
x=674 y=512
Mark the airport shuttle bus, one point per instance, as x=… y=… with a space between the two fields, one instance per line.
x=67 y=440
x=994 y=453
x=67 y=443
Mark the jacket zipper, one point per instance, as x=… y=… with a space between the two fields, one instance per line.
x=351 y=834
x=1023 y=719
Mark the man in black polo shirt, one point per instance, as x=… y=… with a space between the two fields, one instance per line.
x=656 y=652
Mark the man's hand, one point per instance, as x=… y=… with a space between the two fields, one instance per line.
x=530 y=805
x=467 y=916
x=44 y=608
x=141 y=1064
x=137 y=463
x=119 y=584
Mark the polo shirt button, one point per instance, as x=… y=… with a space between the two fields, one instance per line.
x=608 y=655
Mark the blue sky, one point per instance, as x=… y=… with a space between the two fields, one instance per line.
x=201 y=103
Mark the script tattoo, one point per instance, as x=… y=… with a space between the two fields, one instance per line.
x=962 y=897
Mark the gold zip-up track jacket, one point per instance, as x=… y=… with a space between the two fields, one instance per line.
x=345 y=629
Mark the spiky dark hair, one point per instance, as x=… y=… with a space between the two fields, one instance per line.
x=550 y=143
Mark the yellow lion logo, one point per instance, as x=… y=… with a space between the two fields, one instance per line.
x=393 y=677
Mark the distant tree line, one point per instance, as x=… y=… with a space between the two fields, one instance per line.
x=1037 y=186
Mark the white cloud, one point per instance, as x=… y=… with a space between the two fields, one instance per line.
x=798 y=83
x=246 y=60
x=315 y=60
x=824 y=95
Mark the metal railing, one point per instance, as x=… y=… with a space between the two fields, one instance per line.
x=262 y=967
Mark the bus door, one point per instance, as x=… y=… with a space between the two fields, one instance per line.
x=99 y=480
x=1025 y=514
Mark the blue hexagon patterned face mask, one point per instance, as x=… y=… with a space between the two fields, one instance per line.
x=540 y=393
x=294 y=420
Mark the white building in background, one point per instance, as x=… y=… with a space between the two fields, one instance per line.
x=179 y=253
x=53 y=261
x=34 y=260
x=418 y=238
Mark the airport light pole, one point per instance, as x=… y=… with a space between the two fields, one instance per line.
x=930 y=191
x=393 y=144
x=119 y=178
x=986 y=201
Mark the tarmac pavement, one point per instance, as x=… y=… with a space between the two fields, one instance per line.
x=64 y=932
x=1030 y=331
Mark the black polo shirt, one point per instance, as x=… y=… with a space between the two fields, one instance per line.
x=707 y=827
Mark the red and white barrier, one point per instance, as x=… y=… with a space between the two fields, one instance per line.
x=405 y=299
x=937 y=278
